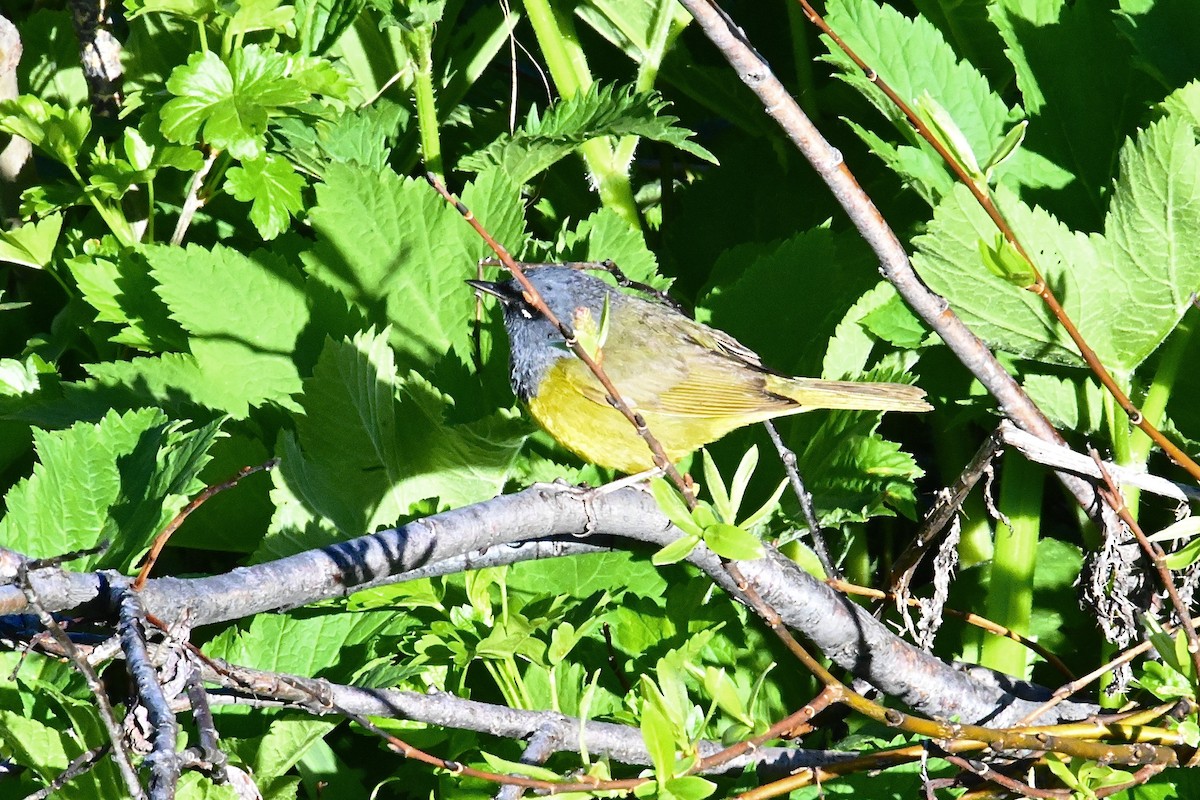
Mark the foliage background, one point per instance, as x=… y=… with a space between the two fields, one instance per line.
x=313 y=310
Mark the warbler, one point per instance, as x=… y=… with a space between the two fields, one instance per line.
x=691 y=383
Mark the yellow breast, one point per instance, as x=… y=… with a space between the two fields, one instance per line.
x=602 y=435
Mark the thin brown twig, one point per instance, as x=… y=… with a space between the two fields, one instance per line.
x=1039 y=285
x=166 y=533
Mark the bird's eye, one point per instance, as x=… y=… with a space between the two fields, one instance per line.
x=526 y=313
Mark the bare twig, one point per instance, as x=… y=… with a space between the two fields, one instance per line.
x=164 y=764
x=805 y=499
x=160 y=541
x=193 y=201
x=79 y=765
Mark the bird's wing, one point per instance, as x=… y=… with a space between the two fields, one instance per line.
x=678 y=367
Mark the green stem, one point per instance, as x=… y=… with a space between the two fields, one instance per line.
x=857 y=565
x=568 y=67
x=427 y=115
x=113 y=218
x=660 y=39
x=806 y=92
x=149 y=237
x=1010 y=591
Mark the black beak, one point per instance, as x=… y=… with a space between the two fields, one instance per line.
x=501 y=291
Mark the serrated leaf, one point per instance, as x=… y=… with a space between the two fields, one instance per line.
x=1148 y=258
x=231 y=104
x=272 y=188
x=370 y=444
x=243 y=316
x=602 y=110
x=395 y=249
x=954 y=86
x=120 y=479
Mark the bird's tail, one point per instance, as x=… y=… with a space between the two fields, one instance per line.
x=814 y=393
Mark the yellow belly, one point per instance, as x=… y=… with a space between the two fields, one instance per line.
x=602 y=435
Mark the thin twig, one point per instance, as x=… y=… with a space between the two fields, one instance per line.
x=79 y=765
x=193 y=201
x=160 y=541
x=971 y=619
x=805 y=498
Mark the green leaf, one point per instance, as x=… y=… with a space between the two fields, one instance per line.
x=716 y=488
x=643 y=30
x=765 y=509
x=1065 y=52
x=946 y=131
x=730 y=541
x=1187 y=555
x=272 y=188
x=676 y=551
x=371 y=445
x=602 y=110
x=243 y=316
x=893 y=322
x=32 y=244
x=319 y=23
x=58 y=132
x=1158 y=32
x=720 y=688
x=395 y=249
x=689 y=787
x=741 y=479
x=672 y=504
x=761 y=281
x=307 y=644
x=247 y=16
x=976 y=117
x=658 y=732
x=1004 y=261
x=119 y=480
x=231 y=104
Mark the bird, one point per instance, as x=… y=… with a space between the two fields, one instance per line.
x=691 y=383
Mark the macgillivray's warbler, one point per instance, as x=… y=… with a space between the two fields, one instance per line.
x=693 y=384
